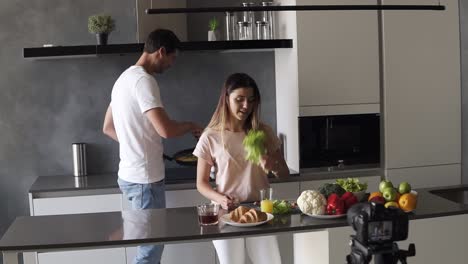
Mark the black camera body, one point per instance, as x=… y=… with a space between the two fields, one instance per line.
x=377 y=228
x=375 y=224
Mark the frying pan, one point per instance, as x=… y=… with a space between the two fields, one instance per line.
x=180 y=155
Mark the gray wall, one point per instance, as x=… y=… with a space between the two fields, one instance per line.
x=46 y=105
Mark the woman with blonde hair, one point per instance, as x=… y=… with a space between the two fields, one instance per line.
x=238 y=179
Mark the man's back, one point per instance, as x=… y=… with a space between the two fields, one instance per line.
x=134 y=93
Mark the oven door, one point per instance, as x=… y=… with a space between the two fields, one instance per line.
x=345 y=139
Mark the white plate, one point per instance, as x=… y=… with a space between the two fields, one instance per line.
x=226 y=219
x=326 y=216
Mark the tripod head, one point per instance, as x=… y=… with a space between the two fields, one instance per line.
x=377 y=228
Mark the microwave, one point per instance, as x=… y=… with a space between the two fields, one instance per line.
x=339 y=141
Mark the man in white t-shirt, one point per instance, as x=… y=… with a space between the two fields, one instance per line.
x=137 y=120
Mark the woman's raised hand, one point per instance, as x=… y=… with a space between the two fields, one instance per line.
x=268 y=163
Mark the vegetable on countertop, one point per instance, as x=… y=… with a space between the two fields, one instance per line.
x=335 y=205
x=352 y=184
x=254 y=145
x=349 y=200
x=312 y=202
x=282 y=207
x=329 y=188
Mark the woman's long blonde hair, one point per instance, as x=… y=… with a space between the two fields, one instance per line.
x=222 y=114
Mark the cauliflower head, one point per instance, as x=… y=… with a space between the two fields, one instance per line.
x=312 y=202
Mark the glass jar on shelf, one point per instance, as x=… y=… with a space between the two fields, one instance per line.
x=269 y=16
x=245 y=30
x=249 y=16
x=263 y=31
x=231 y=26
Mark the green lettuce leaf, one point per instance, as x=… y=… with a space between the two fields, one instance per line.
x=254 y=145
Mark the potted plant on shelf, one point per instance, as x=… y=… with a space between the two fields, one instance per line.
x=101 y=25
x=213 y=32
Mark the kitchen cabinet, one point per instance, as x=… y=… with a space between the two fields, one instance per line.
x=332 y=69
x=113 y=255
x=338 y=58
x=422 y=91
x=77 y=205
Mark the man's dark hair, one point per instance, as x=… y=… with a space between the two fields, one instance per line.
x=162 y=38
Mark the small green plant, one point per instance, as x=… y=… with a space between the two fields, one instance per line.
x=213 y=24
x=100 y=24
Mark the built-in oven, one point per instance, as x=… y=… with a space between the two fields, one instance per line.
x=340 y=141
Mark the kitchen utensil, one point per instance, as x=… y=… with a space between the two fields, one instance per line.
x=79 y=159
x=183 y=157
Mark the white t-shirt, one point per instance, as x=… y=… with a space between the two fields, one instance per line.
x=141 y=149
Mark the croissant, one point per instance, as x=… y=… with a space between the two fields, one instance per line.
x=237 y=213
x=253 y=216
x=259 y=216
x=248 y=218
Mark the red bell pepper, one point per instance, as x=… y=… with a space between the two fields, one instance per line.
x=335 y=205
x=349 y=200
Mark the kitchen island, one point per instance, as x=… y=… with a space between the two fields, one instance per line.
x=65 y=194
x=437 y=228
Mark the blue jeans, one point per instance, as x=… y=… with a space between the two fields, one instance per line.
x=145 y=196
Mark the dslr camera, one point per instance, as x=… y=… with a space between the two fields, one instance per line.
x=377 y=229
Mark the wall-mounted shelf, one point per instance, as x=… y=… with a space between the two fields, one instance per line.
x=60 y=52
x=291 y=8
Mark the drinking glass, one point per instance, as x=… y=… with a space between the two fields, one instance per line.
x=266 y=203
x=208 y=214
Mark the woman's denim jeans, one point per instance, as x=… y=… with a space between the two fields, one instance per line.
x=145 y=196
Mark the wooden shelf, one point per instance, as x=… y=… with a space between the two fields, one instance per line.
x=122 y=49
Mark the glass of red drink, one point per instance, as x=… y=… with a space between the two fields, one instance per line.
x=208 y=214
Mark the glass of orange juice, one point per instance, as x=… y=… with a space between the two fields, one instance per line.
x=266 y=200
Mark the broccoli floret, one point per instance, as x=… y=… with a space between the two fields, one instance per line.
x=329 y=188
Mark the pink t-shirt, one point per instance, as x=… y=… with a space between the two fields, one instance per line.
x=235 y=177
